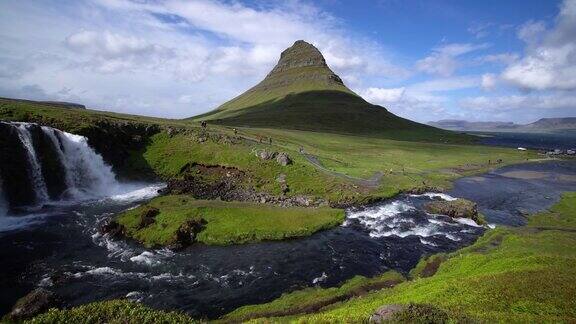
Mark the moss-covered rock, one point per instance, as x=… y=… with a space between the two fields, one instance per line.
x=459 y=208
x=36 y=302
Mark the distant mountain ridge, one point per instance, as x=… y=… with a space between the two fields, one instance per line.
x=543 y=124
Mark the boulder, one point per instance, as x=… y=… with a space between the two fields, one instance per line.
x=186 y=233
x=283 y=159
x=411 y=313
x=265 y=154
x=36 y=302
x=113 y=228
x=455 y=208
x=385 y=313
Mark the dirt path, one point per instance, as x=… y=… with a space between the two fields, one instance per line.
x=373 y=182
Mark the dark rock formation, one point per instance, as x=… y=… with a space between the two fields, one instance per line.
x=115 y=141
x=113 y=229
x=187 y=232
x=36 y=302
x=50 y=161
x=147 y=217
x=14 y=168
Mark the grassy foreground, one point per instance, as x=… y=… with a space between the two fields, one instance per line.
x=227 y=222
x=112 y=312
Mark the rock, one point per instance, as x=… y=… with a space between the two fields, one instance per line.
x=266 y=155
x=113 y=228
x=281 y=178
x=36 y=302
x=411 y=313
x=455 y=208
x=147 y=217
x=385 y=313
x=187 y=232
x=283 y=159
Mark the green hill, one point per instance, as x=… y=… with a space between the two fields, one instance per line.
x=302 y=93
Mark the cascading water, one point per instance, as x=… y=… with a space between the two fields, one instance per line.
x=58 y=166
x=86 y=173
x=35 y=169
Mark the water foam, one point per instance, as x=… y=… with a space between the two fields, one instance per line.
x=433 y=195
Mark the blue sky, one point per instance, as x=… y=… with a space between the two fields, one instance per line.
x=421 y=59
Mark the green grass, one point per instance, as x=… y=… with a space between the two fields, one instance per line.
x=227 y=222
x=314 y=299
x=510 y=275
x=72 y=120
x=402 y=154
x=112 y=312
x=332 y=111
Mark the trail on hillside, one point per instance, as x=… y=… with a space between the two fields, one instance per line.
x=373 y=182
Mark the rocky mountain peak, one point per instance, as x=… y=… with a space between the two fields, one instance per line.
x=300 y=54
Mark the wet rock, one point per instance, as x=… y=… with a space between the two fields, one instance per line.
x=283 y=159
x=147 y=217
x=113 y=229
x=36 y=302
x=455 y=208
x=14 y=169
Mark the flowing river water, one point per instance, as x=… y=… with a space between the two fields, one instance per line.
x=58 y=246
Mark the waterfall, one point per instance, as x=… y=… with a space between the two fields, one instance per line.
x=87 y=175
x=50 y=164
x=35 y=170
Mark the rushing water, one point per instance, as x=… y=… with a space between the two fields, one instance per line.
x=58 y=246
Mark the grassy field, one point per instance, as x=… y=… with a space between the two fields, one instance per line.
x=227 y=222
x=113 y=312
x=509 y=275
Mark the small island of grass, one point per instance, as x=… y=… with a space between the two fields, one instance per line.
x=221 y=223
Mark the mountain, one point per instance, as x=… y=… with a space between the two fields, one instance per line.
x=303 y=93
x=552 y=124
x=543 y=124
x=462 y=125
x=60 y=104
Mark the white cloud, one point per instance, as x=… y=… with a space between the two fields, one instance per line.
x=384 y=95
x=489 y=81
x=550 y=59
x=531 y=31
x=169 y=58
x=443 y=60
x=421 y=101
x=501 y=58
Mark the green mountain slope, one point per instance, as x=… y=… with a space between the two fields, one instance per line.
x=302 y=93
